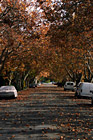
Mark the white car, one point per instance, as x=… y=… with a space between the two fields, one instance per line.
x=84 y=89
x=69 y=85
x=8 y=91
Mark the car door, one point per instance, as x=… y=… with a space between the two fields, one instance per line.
x=85 y=89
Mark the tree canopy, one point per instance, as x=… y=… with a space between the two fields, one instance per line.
x=53 y=36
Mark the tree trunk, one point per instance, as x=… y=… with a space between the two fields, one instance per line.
x=24 y=80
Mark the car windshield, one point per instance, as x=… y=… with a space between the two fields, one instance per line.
x=7 y=88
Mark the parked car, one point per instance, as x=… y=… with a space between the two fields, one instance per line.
x=84 y=89
x=8 y=91
x=39 y=84
x=69 y=85
x=32 y=85
x=59 y=84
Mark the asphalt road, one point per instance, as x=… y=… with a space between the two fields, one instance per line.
x=46 y=113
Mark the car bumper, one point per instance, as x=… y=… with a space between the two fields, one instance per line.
x=7 y=94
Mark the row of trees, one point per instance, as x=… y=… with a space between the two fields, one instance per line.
x=48 y=36
x=71 y=35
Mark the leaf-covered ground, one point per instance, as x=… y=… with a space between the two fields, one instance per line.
x=46 y=113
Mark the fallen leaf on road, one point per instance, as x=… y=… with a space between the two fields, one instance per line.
x=61 y=138
x=42 y=123
x=27 y=125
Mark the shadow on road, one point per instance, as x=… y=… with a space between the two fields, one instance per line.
x=7 y=98
x=85 y=105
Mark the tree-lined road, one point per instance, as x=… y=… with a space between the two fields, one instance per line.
x=46 y=113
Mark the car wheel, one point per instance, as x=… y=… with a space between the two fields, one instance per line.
x=79 y=96
x=76 y=94
x=14 y=97
x=92 y=101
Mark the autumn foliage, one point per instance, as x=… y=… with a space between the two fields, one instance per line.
x=45 y=36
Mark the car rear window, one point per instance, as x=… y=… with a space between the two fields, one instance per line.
x=69 y=83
